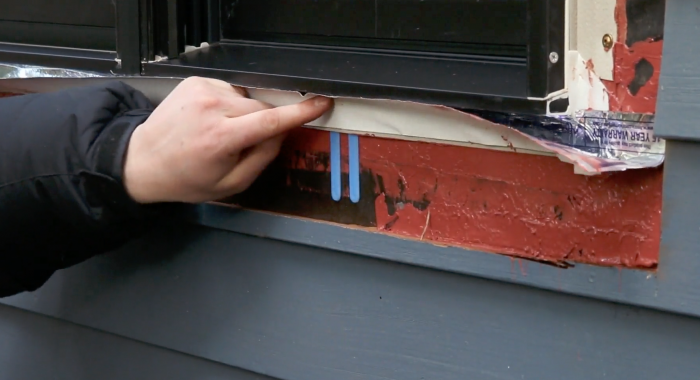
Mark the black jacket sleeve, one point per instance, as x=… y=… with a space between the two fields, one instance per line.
x=62 y=198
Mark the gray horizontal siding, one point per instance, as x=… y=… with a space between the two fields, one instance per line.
x=39 y=347
x=678 y=102
x=300 y=313
x=316 y=301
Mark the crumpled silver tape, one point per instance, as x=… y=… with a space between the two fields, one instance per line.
x=597 y=141
x=11 y=70
x=625 y=138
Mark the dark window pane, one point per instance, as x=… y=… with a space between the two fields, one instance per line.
x=73 y=12
x=457 y=26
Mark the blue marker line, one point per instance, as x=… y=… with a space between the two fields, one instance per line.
x=354 y=161
x=335 y=166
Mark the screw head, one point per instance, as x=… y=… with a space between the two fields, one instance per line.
x=607 y=41
x=553 y=57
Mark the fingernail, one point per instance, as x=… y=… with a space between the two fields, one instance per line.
x=321 y=101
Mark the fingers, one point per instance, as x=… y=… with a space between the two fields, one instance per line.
x=254 y=128
x=240 y=91
x=235 y=107
x=250 y=167
x=233 y=101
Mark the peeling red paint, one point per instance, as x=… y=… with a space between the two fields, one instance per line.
x=407 y=220
x=625 y=59
x=621 y=19
x=590 y=66
x=522 y=205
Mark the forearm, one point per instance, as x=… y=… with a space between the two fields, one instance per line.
x=62 y=197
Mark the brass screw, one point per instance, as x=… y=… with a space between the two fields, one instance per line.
x=607 y=41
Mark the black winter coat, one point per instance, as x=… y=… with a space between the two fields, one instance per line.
x=62 y=198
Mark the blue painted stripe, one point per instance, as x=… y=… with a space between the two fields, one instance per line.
x=335 y=166
x=354 y=161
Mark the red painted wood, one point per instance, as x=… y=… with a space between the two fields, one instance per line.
x=625 y=60
x=510 y=203
x=516 y=204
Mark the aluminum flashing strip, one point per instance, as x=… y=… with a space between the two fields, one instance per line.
x=392 y=119
x=383 y=118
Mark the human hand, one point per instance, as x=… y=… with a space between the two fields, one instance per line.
x=206 y=141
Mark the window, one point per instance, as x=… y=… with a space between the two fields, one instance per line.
x=68 y=23
x=500 y=55
x=72 y=34
x=495 y=28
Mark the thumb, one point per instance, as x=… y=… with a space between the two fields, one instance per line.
x=250 y=166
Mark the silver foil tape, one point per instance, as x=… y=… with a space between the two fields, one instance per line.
x=619 y=136
x=597 y=141
x=11 y=70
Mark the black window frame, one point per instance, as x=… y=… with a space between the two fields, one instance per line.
x=498 y=84
x=149 y=30
x=68 y=37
